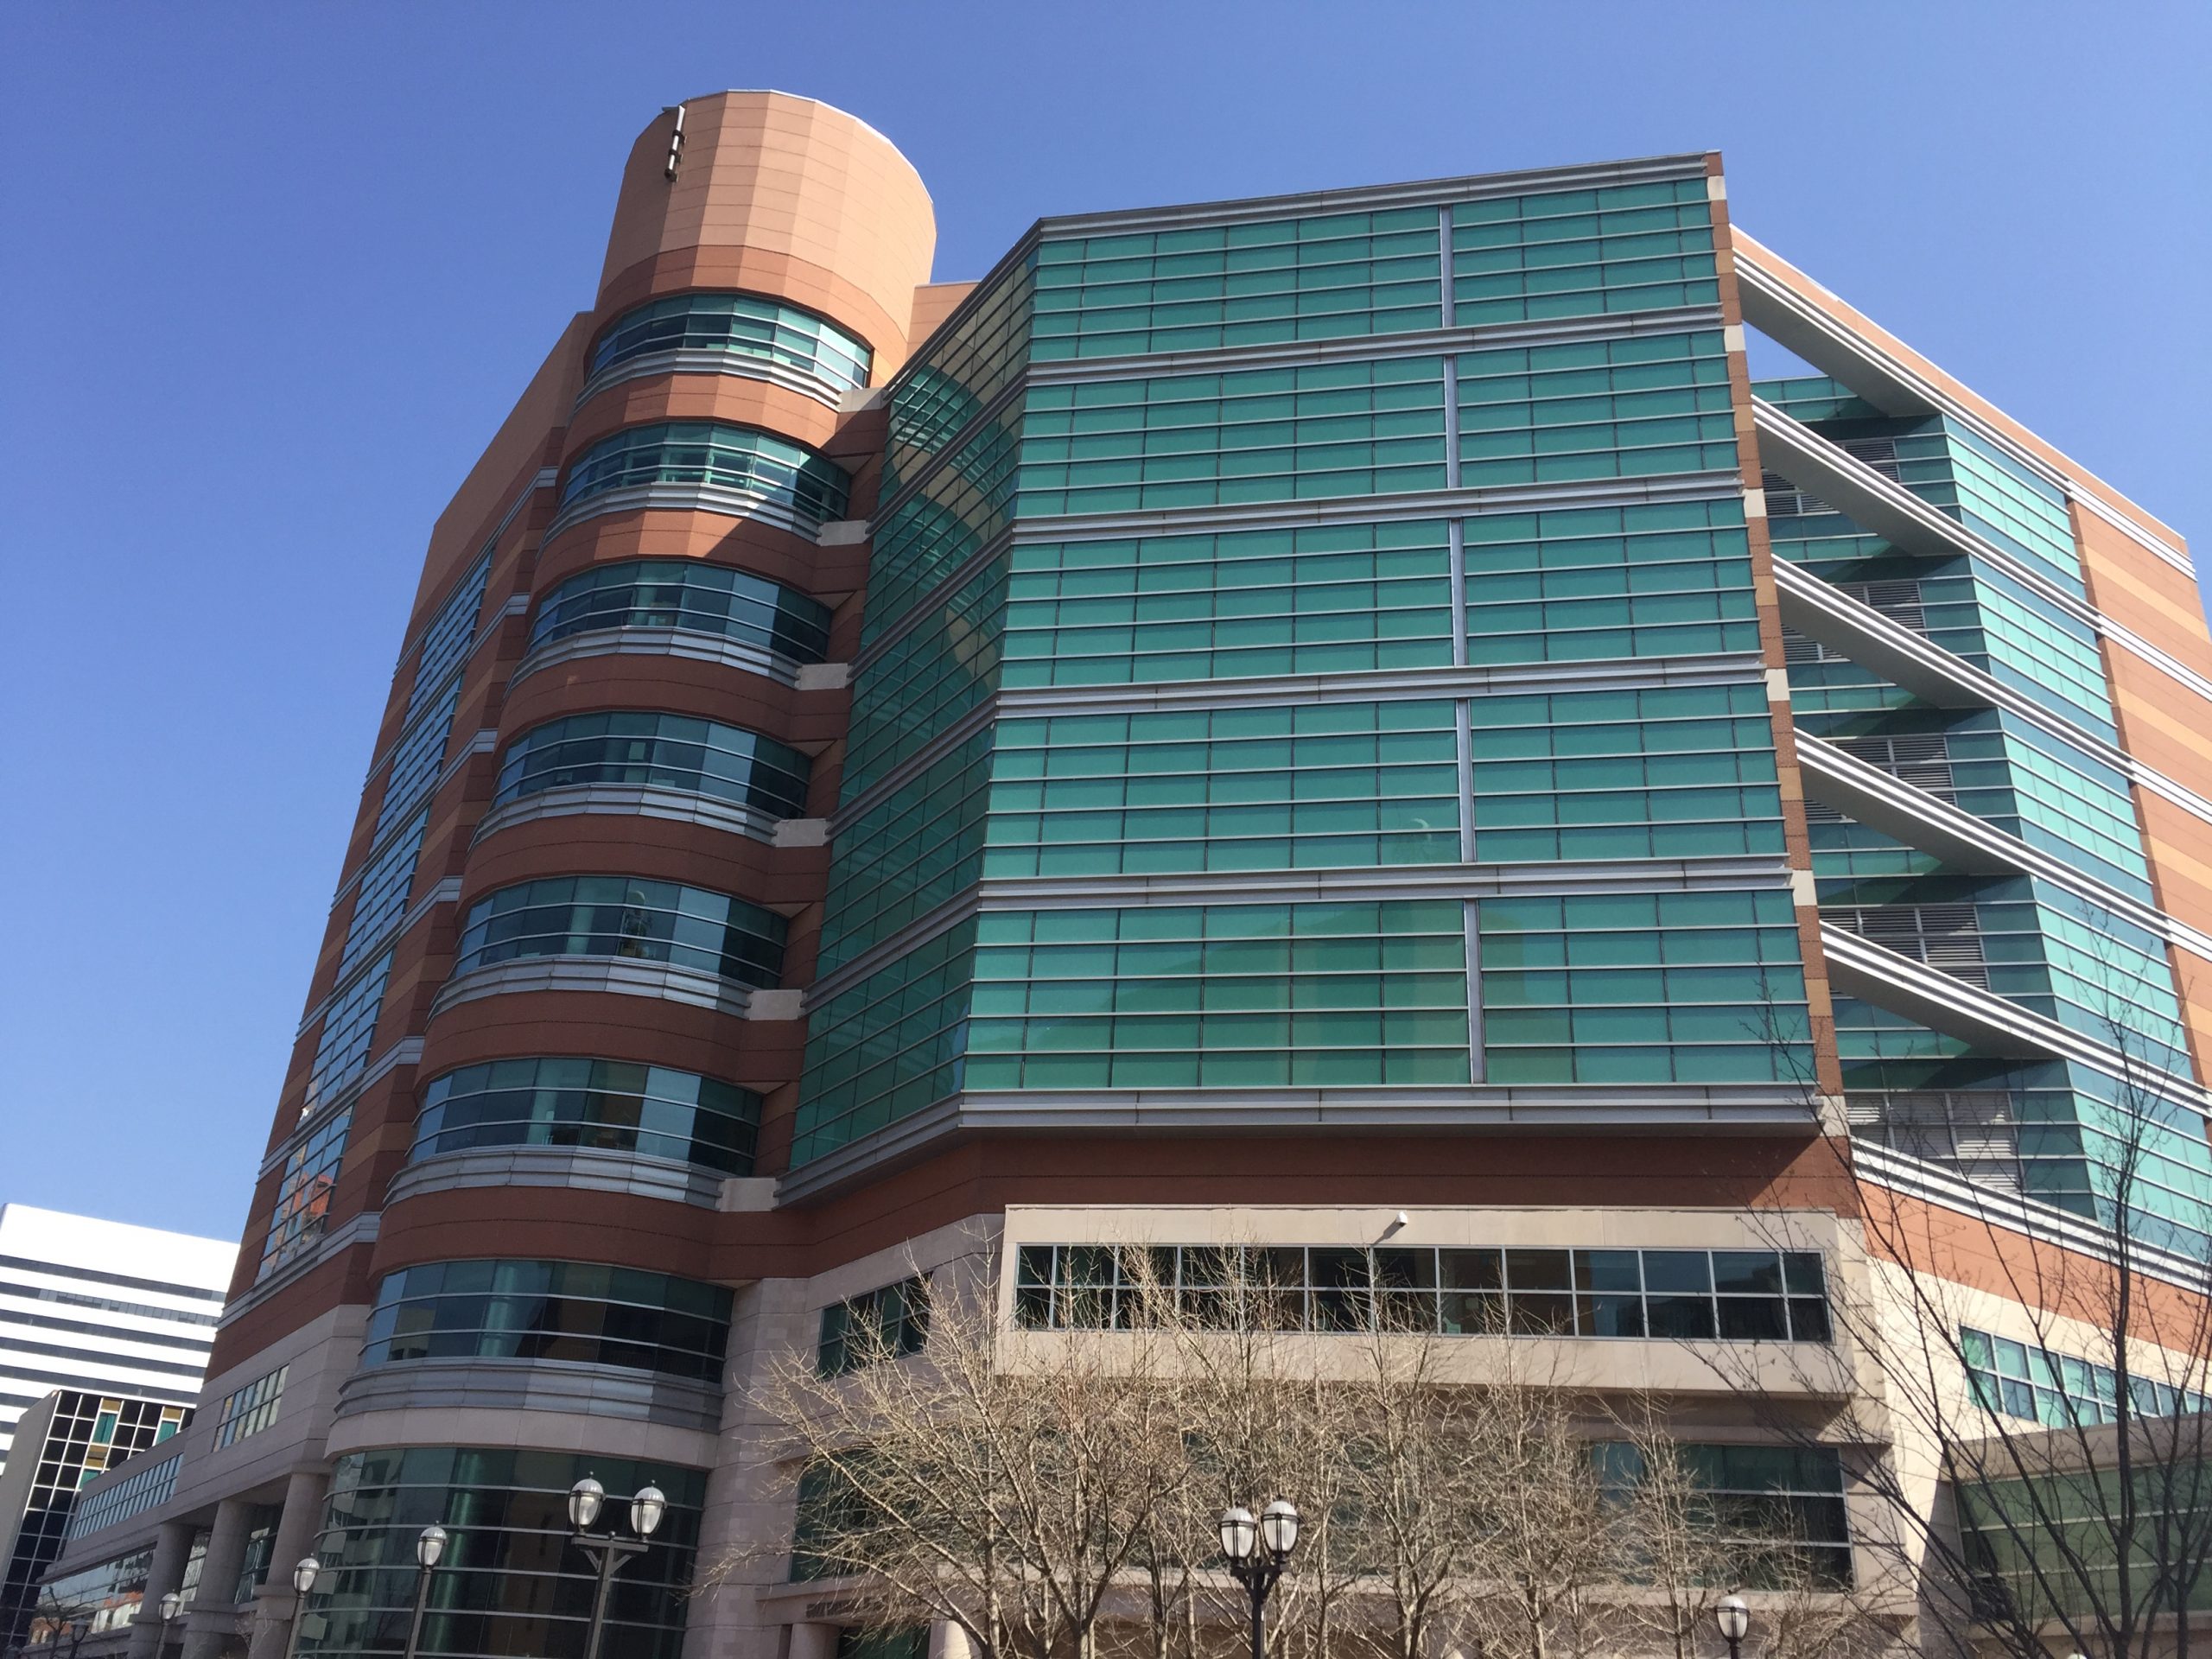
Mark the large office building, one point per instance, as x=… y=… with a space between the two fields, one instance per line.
x=105 y=1332
x=1251 y=718
x=105 y=1308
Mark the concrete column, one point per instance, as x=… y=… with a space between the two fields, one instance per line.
x=814 y=1641
x=213 y=1618
x=172 y=1545
x=949 y=1641
x=277 y=1605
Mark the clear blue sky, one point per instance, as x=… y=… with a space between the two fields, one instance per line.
x=272 y=274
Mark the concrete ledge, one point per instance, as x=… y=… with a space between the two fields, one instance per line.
x=689 y=644
x=620 y=976
x=593 y=1169
x=625 y=800
x=597 y=1391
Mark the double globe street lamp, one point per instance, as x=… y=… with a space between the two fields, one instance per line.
x=1257 y=1552
x=608 y=1553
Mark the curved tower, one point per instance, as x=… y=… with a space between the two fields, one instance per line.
x=1343 y=725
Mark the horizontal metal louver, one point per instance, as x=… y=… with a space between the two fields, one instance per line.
x=1785 y=500
x=1973 y=1132
x=1946 y=937
x=1921 y=759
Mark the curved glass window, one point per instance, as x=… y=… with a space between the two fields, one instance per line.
x=620 y=916
x=695 y=597
x=577 y=1310
x=743 y=324
x=712 y=453
x=615 y=1105
x=681 y=752
x=508 y=1583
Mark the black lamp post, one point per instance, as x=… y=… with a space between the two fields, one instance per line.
x=1734 y=1619
x=172 y=1604
x=608 y=1553
x=1257 y=1552
x=304 y=1574
x=429 y=1545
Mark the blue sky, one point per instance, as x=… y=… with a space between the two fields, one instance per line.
x=273 y=275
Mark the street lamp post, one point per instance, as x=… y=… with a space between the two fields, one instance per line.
x=429 y=1545
x=1734 y=1619
x=608 y=1553
x=304 y=1574
x=1257 y=1552
x=172 y=1604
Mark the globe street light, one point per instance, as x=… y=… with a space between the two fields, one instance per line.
x=304 y=1574
x=1734 y=1619
x=429 y=1545
x=172 y=1604
x=1257 y=1551
x=608 y=1553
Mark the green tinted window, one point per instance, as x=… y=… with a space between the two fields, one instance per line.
x=1681 y=773
x=886 y=1047
x=1575 y=253
x=1653 y=987
x=1232 y=789
x=1201 y=288
x=1593 y=584
x=1595 y=409
x=1216 y=440
x=1328 y=599
x=1221 y=996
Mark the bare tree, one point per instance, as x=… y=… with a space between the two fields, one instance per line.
x=2049 y=1485
x=1008 y=1500
x=1054 y=1492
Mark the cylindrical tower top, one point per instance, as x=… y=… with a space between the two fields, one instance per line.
x=781 y=195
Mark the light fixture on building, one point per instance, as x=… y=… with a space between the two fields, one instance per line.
x=608 y=1553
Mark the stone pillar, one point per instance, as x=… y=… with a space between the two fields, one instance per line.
x=213 y=1618
x=949 y=1641
x=172 y=1545
x=814 y=1641
x=276 y=1606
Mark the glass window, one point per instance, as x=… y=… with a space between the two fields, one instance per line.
x=743 y=325
x=882 y=1325
x=615 y=1105
x=445 y=641
x=246 y=1412
x=349 y=1027
x=716 y=455
x=658 y=751
x=691 y=595
x=620 y=916
x=304 y=1194
x=567 y=1311
x=510 y=1584
x=1659 y=1294
x=1760 y=1497
x=381 y=895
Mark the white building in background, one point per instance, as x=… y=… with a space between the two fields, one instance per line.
x=104 y=1307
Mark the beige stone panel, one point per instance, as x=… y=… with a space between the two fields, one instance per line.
x=934 y=304
x=2143 y=593
x=2163 y=722
x=1859 y=323
x=559 y=1431
x=768 y=171
x=509 y=462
